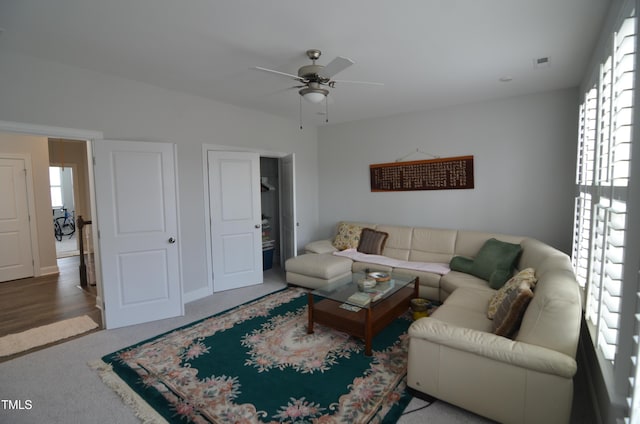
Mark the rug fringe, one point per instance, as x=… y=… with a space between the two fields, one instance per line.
x=141 y=409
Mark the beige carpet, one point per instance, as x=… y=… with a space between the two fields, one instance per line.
x=19 y=342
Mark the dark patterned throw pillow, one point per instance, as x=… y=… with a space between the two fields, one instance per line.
x=372 y=242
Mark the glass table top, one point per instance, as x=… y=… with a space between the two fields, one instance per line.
x=349 y=292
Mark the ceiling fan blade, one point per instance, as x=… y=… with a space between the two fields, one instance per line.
x=336 y=65
x=271 y=71
x=356 y=82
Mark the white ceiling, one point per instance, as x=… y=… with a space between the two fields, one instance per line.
x=428 y=53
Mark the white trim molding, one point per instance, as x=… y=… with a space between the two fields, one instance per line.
x=48 y=131
x=49 y=270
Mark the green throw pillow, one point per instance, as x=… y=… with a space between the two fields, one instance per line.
x=462 y=264
x=495 y=262
x=499 y=277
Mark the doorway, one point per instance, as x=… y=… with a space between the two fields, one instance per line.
x=270 y=207
x=126 y=207
x=70 y=203
x=64 y=209
x=268 y=237
x=59 y=275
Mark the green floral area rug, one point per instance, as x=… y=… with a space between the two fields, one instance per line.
x=256 y=364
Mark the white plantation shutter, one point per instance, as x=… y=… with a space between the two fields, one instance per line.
x=604 y=133
x=623 y=87
x=584 y=180
x=590 y=135
x=605 y=282
x=634 y=399
x=602 y=179
x=587 y=138
x=582 y=238
x=606 y=248
x=603 y=214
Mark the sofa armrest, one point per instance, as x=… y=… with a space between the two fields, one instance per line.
x=320 y=246
x=494 y=347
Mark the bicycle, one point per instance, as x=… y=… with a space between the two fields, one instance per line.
x=64 y=225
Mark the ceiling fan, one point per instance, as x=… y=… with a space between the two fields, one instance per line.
x=316 y=79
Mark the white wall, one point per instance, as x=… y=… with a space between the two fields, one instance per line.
x=524 y=160
x=46 y=93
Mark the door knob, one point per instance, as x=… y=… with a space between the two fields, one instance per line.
x=172 y=240
x=257 y=225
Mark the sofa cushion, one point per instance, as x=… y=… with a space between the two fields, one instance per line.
x=432 y=245
x=429 y=286
x=347 y=237
x=495 y=262
x=324 y=265
x=320 y=246
x=553 y=317
x=398 y=244
x=473 y=299
x=454 y=280
x=525 y=276
x=372 y=242
x=466 y=308
x=509 y=314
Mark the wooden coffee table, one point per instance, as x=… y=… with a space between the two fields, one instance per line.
x=370 y=319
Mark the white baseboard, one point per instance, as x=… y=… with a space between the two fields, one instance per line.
x=196 y=294
x=49 y=270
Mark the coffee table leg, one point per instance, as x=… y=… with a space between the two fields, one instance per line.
x=310 y=313
x=368 y=330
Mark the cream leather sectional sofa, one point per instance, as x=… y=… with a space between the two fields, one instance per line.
x=453 y=354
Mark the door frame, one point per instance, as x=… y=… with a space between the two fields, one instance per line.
x=31 y=208
x=294 y=211
x=206 y=148
x=70 y=134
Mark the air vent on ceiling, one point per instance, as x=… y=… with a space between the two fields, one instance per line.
x=541 y=62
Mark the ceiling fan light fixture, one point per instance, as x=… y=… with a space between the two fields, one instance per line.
x=314 y=95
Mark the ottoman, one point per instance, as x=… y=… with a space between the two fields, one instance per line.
x=314 y=270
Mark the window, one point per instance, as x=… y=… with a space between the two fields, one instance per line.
x=55 y=182
x=602 y=178
x=601 y=218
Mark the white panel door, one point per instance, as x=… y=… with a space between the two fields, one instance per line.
x=235 y=210
x=288 y=210
x=136 y=197
x=16 y=256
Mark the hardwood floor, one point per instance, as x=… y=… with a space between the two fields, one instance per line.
x=33 y=302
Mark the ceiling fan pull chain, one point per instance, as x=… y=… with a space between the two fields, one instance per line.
x=326 y=109
x=300 y=112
